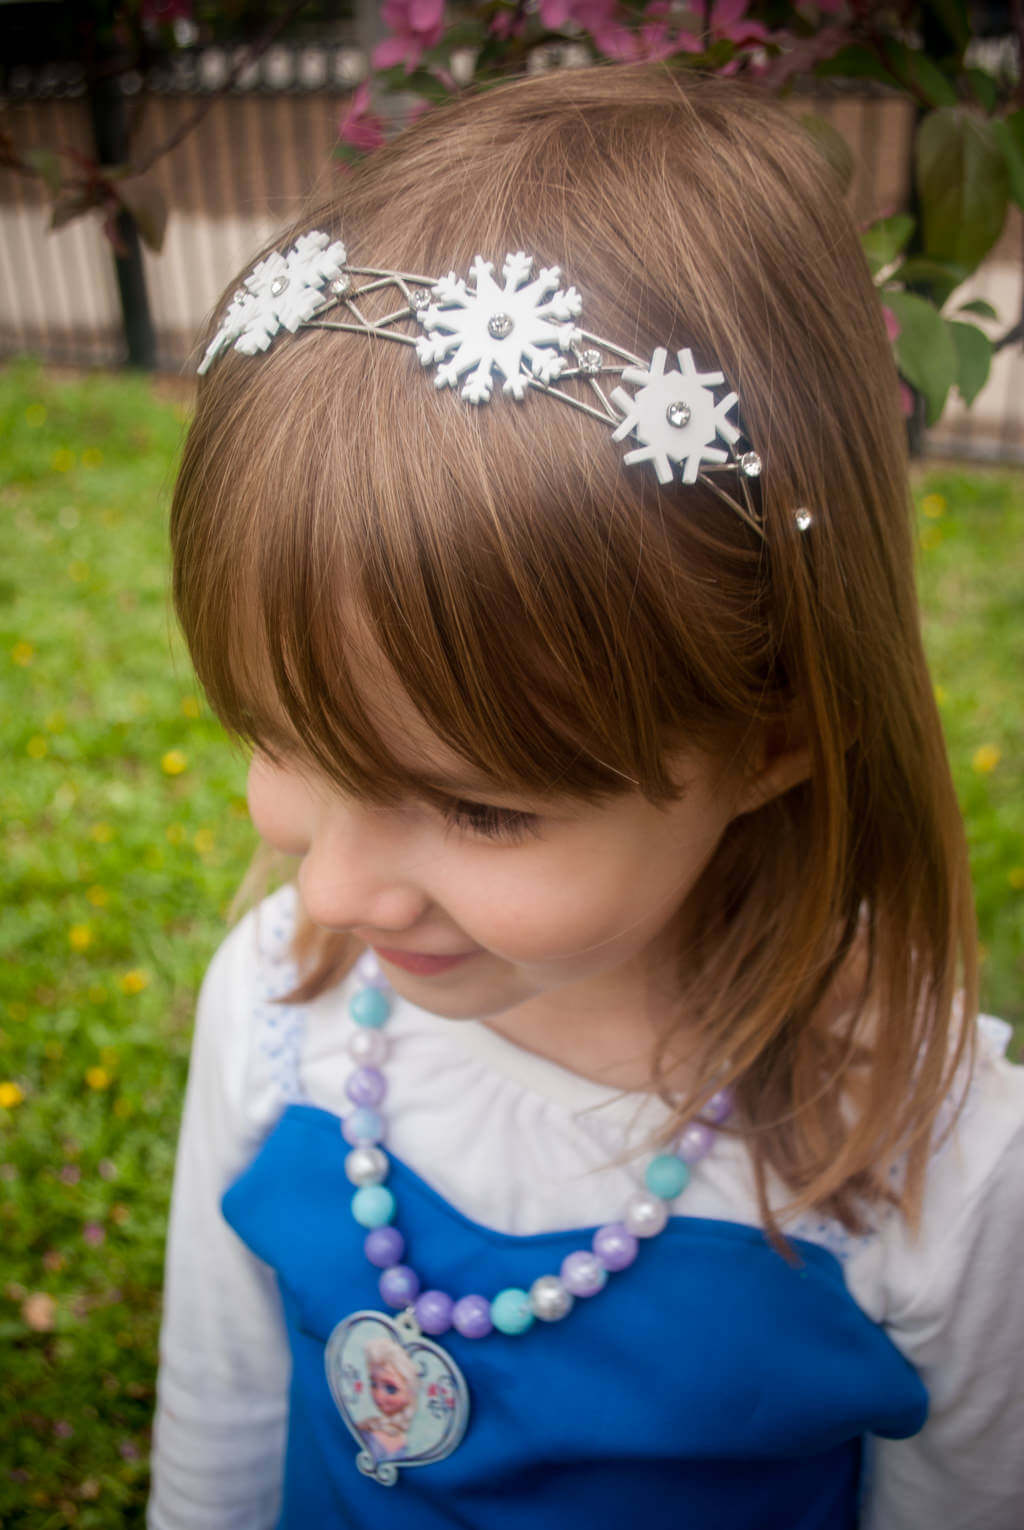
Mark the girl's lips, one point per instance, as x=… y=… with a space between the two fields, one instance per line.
x=421 y=965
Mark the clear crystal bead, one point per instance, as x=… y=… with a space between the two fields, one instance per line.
x=803 y=519
x=678 y=413
x=500 y=325
x=340 y=285
x=590 y=361
x=750 y=463
x=419 y=299
x=278 y=285
x=239 y=295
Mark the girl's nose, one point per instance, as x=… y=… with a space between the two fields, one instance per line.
x=358 y=873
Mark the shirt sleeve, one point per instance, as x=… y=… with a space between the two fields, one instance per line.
x=956 y=1300
x=222 y=1391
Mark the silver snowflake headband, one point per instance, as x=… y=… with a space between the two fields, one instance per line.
x=525 y=331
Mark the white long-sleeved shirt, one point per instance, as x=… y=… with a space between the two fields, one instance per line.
x=518 y=1143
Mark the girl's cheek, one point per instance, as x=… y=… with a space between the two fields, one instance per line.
x=278 y=807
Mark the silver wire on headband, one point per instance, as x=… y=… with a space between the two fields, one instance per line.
x=523 y=330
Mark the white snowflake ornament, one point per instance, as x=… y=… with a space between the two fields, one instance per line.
x=522 y=329
x=282 y=292
x=674 y=416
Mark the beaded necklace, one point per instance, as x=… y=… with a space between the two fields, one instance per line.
x=402 y=1396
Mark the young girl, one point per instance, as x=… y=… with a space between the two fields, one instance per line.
x=613 y=1053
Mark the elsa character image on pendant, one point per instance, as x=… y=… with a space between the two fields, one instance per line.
x=403 y=1398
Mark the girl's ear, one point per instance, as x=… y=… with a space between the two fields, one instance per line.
x=781 y=759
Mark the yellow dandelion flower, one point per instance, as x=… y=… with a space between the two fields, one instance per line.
x=23 y=654
x=62 y=460
x=930 y=537
x=79 y=937
x=98 y=896
x=10 y=1094
x=35 y=415
x=175 y=833
x=204 y=841
x=173 y=763
x=102 y=833
x=933 y=506
x=97 y=1078
x=190 y=706
x=1015 y=877
x=985 y=759
x=36 y=747
x=134 y=981
x=92 y=456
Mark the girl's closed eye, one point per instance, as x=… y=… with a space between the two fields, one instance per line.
x=493 y=822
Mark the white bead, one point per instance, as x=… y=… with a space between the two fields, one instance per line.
x=366 y=1165
x=549 y=1299
x=368 y=968
x=646 y=1215
x=368 y=1048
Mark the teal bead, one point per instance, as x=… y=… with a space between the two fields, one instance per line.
x=510 y=1311
x=369 y=1007
x=667 y=1176
x=373 y=1206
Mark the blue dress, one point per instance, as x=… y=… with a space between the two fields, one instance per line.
x=710 y=1386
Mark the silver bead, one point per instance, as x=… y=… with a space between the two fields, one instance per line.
x=750 y=463
x=803 y=519
x=340 y=285
x=591 y=361
x=368 y=1048
x=549 y=1300
x=500 y=325
x=366 y=1165
x=278 y=285
x=368 y=969
x=678 y=414
x=645 y=1215
x=419 y=299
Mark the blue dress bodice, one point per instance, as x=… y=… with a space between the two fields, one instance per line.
x=711 y=1386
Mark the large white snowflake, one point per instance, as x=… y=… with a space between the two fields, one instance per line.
x=674 y=416
x=520 y=329
x=281 y=292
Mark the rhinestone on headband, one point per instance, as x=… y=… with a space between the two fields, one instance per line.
x=522 y=330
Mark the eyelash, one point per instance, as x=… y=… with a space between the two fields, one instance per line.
x=492 y=822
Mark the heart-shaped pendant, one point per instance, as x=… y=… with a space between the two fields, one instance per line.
x=404 y=1399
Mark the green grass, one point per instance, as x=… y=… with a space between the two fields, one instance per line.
x=124 y=836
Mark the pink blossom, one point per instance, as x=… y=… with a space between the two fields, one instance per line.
x=359 y=126
x=729 y=21
x=93 y=1234
x=415 y=25
x=892 y=324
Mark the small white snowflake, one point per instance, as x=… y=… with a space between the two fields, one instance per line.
x=519 y=329
x=281 y=292
x=674 y=416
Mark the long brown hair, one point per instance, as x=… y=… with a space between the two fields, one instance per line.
x=562 y=621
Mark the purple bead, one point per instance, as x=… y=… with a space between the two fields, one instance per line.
x=366 y=1086
x=384 y=1246
x=615 y=1246
x=583 y=1273
x=720 y=1105
x=434 y=1312
x=695 y=1142
x=471 y=1316
x=363 y=1125
x=399 y=1285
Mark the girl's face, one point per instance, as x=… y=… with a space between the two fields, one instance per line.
x=390 y=1391
x=558 y=908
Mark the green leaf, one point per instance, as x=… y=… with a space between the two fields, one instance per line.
x=918 y=73
x=70 y=205
x=145 y=201
x=832 y=146
x=984 y=87
x=974 y=358
x=856 y=62
x=954 y=19
x=963 y=183
x=940 y=277
x=46 y=163
x=979 y=306
x=884 y=240
x=925 y=350
x=1009 y=134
